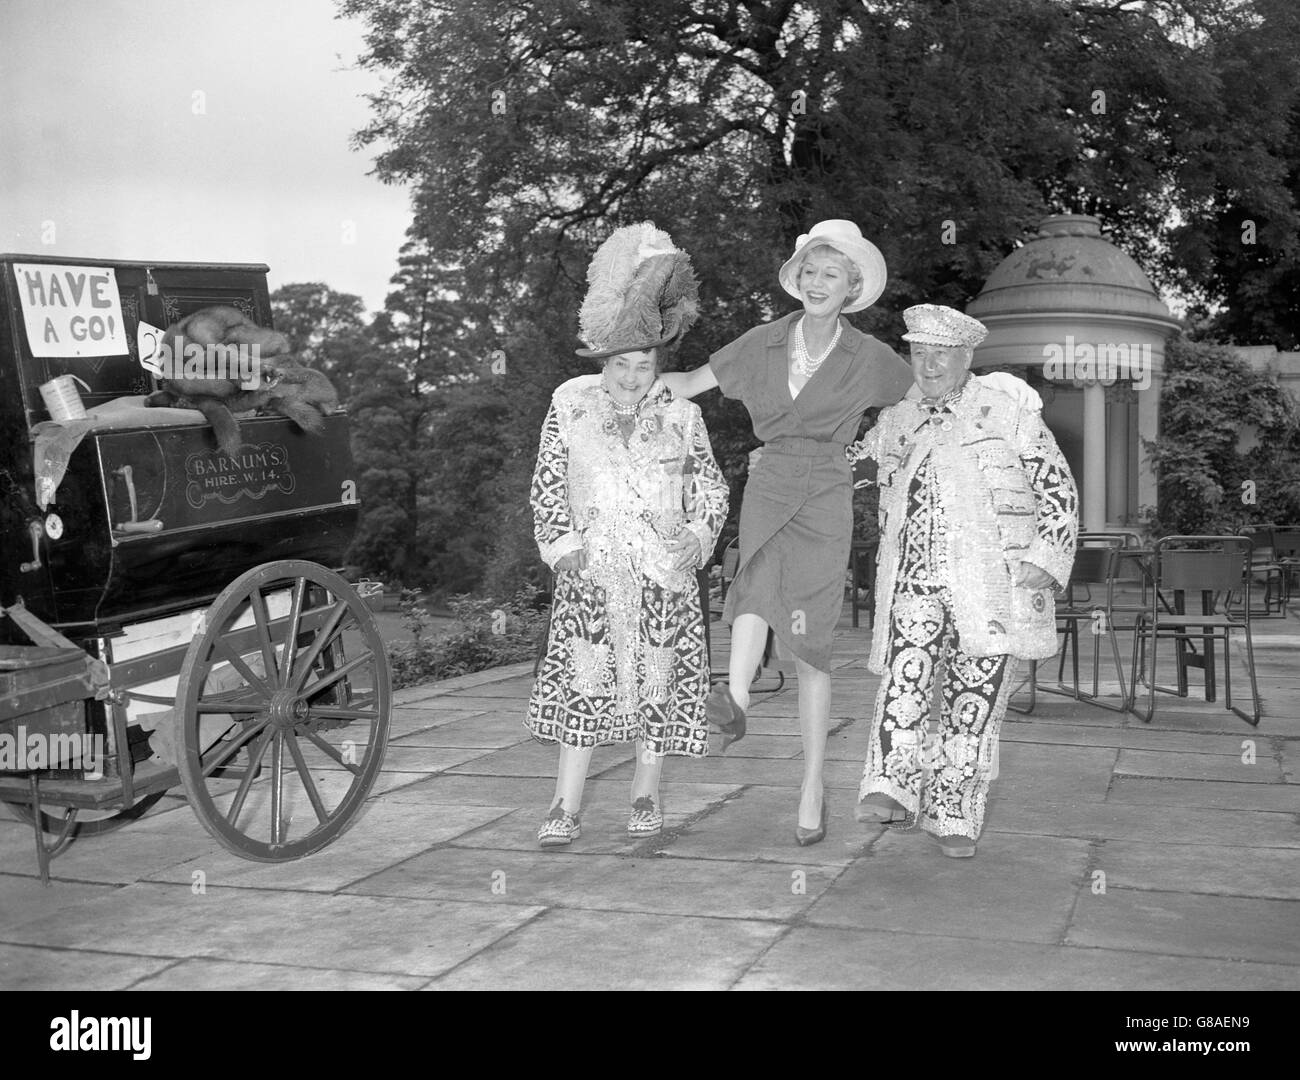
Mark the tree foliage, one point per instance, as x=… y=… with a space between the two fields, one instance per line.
x=1228 y=454
x=528 y=130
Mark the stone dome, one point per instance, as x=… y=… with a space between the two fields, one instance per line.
x=1069 y=267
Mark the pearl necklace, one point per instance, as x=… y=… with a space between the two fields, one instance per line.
x=623 y=410
x=807 y=365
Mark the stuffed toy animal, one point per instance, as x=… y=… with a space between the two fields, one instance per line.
x=287 y=388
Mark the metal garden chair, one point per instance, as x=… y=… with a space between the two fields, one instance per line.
x=1215 y=568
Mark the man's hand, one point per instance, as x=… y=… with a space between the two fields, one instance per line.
x=574 y=561
x=685 y=551
x=1034 y=577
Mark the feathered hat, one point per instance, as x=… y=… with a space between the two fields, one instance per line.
x=641 y=293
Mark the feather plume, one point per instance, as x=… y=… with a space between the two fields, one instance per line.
x=611 y=274
x=680 y=301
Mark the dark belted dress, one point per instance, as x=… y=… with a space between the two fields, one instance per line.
x=796 y=521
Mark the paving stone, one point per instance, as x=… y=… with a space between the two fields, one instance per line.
x=616 y=952
x=1216 y=794
x=755 y=745
x=739 y=770
x=1154 y=824
x=203 y=974
x=1289 y=756
x=1014 y=889
x=417 y=718
x=781 y=726
x=1035 y=772
x=332 y=784
x=1169 y=765
x=384 y=833
x=120 y=857
x=23 y=897
x=353 y=933
x=405 y=757
x=715 y=898
x=1269 y=873
x=438 y=711
x=467 y=683
x=606 y=805
x=486 y=729
x=759 y=823
x=1209 y=719
x=470 y=704
x=1050 y=710
x=819 y=958
x=448 y=789
x=519 y=687
x=1024 y=730
x=1181 y=924
x=538 y=759
x=849 y=744
x=563 y=878
x=24 y=967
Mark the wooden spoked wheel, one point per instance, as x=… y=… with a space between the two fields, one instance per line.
x=283 y=707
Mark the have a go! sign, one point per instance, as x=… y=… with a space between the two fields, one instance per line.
x=71 y=310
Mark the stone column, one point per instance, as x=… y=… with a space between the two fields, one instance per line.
x=1117 y=454
x=1094 y=458
x=1148 y=410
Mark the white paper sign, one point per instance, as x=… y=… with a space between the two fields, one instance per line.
x=148 y=340
x=71 y=310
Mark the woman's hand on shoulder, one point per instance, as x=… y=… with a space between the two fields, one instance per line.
x=1026 y=396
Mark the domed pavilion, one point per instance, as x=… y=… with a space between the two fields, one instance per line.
x=1077 y=317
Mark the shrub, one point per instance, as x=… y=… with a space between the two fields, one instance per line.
x=490 y=633
x=1207 y=482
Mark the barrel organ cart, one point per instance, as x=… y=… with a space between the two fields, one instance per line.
x=169 y=614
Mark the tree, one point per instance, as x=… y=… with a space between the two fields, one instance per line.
x=327 y=329
x=423 y=350
x=1243 y=242
x=529 y=130
x=1228 y=455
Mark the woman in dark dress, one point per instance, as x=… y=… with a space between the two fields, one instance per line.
x=806 y=380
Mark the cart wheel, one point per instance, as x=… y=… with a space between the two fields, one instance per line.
x=283 y=708
x=87 y=823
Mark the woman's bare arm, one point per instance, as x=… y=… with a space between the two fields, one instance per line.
x=688 y=384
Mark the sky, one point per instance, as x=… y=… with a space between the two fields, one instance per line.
x=194 y=130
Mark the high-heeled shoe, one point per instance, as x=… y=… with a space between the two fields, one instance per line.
x=805 y=837
x=721 y=710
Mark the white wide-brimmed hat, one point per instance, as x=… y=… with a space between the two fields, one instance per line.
x=847 y=239
x=933 y=324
